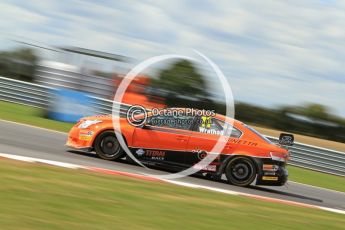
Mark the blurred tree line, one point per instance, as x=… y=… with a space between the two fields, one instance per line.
x=310 y=119
x=18 y=64
x=184 y=86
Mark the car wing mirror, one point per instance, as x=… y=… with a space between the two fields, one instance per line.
x=146 y=126
x=286 y=139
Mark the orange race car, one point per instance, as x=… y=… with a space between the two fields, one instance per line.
x=180 y=141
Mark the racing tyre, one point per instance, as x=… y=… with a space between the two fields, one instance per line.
x=240 y=171
x=107 y=146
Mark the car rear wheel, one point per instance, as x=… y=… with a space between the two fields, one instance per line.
x=107 y=146
x=240 y=171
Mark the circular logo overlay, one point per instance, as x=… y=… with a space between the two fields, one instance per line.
x=136 y=115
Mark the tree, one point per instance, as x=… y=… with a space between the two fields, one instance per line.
x=182 y=78
x=316 y=111
x=19 y=64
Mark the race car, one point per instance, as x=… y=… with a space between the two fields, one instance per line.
x=180 y=141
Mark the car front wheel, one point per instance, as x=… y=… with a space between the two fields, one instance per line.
x=107 y=146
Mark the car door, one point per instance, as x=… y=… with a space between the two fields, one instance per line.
x=205 y=136
x=163 y=139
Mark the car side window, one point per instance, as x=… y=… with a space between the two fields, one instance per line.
x=176 y=122
x=214 y=126
x=230 y=130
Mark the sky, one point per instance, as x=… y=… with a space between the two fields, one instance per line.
x=272 y=52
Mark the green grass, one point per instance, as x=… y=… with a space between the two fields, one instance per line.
x=311 y=177
x=44 y=197
x=32 y=116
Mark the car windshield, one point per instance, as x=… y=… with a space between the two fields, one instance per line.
x=259 y=134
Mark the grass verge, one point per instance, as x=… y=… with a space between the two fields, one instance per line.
x=45 y=197
x=311 y=177
x=32 y=116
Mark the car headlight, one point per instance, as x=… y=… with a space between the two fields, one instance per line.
x=88 y=123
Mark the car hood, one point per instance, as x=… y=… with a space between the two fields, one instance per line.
x=98 y=117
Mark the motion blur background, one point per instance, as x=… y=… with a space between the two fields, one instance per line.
x=283 y=60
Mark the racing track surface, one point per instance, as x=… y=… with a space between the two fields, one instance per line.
x=29 y=141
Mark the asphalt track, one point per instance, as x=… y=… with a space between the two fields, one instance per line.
x=34 y=142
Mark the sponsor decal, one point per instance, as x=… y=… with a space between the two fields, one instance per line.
x=85 y=138
x=201 y=154
x=267 y=167
x=242 y=142
x=85 y=135
x=85 y=132
x=271 y=178
x=140 y=152
x=206 y=122
x=205 y=126
x=211 y=131
x=269 y=173
x=153 y=154
x=210 y=168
